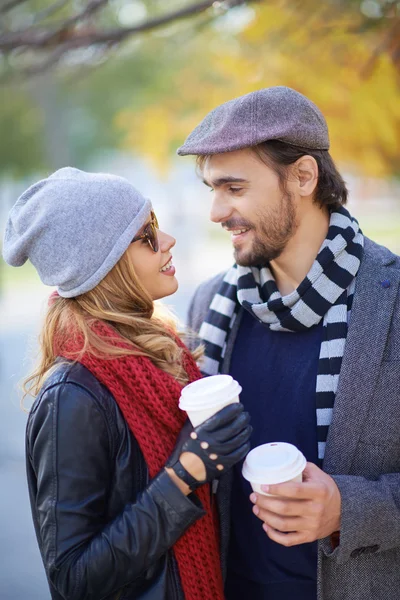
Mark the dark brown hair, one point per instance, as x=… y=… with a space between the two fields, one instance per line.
x=331 y=190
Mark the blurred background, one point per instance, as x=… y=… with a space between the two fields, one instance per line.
x=116 y=86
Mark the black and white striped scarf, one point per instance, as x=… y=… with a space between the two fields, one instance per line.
x=325 y=293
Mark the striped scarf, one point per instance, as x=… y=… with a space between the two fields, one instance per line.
x=325 y=293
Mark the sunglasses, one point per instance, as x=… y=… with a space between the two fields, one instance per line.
x=150 y=233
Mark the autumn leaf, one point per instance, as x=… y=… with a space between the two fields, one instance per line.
x=315 y=48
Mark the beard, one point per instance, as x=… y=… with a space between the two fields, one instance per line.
x=275 y=229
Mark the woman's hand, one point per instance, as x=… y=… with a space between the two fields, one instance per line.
x=204 y=453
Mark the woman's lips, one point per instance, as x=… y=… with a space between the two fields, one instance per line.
x=170 y=270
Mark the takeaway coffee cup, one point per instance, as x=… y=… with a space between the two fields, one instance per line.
x=276 y=462
x=204 y=397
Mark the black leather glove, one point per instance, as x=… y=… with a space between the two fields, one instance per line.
x=220 y=442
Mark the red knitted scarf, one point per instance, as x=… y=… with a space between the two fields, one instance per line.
x=148 y=399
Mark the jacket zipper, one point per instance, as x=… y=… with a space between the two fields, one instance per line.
x=143 y=481
x=175 y=578
x=213 y=493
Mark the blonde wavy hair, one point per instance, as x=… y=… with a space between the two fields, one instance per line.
x=122 y=302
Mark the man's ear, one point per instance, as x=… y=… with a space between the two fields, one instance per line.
x=306 y=172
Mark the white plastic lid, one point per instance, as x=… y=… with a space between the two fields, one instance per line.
x=275 y=462
x=208 y=392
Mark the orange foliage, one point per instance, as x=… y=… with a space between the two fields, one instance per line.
x=304 y=45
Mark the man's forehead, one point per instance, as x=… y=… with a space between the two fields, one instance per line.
x=231 y=165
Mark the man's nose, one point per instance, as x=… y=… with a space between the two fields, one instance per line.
x=220 y=210
x=165 y=241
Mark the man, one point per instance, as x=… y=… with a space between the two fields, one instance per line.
x=308 y=322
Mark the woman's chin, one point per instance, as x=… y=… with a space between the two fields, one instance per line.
x=167 y=290
x=174 y=286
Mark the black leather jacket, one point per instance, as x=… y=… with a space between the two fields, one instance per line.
x=104 y=531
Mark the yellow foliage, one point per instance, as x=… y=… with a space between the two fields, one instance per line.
x=306 y=46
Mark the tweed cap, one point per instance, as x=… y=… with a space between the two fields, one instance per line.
x=74 y=227
x=275 y=113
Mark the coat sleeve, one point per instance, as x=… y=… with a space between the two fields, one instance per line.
x=370 y=521
x=69 y=450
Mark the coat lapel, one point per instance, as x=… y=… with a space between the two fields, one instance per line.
x=372 y=311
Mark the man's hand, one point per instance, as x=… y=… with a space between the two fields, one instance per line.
x=300 y=512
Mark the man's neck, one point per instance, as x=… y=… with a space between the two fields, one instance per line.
x=291 y=267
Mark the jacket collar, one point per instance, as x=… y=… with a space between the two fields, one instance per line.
x=374 y=301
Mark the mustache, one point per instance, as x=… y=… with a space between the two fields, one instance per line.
x=237 y=224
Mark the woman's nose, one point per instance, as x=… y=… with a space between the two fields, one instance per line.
x=165 y=241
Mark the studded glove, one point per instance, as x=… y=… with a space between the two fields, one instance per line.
x=220 y=442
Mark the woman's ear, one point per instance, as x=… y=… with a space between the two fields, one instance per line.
x=306 y=175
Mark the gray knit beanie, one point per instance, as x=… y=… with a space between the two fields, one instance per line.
x=74 y=227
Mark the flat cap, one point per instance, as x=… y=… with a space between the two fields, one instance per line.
x=275 y=113
x=74 y=227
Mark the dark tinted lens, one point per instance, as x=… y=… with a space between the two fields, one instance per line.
x=151 y=234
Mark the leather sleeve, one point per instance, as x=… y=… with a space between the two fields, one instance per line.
x=69 y=446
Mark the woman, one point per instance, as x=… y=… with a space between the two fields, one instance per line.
x=118 y=481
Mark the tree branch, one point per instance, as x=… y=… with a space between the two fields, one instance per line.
x=50 y=10
x=71 y=38
x=39 y=38
x=390 y=44
x=92 y=7
x=52 y=60
x=10 y=5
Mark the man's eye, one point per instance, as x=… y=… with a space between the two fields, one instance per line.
x=234 y=190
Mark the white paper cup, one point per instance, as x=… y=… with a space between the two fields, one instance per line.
x=276 y=462
x=204 y=397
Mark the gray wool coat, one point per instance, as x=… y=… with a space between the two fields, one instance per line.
x=363 y=446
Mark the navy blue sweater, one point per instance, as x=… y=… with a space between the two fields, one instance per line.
x=277 y=371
